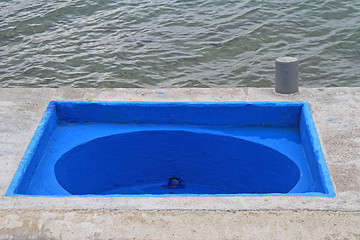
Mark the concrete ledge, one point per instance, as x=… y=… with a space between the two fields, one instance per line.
x=92 y=225
x=336 y=113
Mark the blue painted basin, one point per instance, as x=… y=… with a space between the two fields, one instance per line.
x=174 y=149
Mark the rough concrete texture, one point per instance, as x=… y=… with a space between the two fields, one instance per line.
x=336 y=114
x=97 y=224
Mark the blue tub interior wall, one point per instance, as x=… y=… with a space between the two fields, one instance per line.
x=34 y=151
x=230 y=115
x=313 y=150
x=196 y=113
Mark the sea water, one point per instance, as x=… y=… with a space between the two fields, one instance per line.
x=177 y=43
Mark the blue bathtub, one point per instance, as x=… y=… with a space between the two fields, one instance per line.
x=174 y=149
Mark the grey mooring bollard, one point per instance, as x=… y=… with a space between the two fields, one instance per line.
x=286 y=75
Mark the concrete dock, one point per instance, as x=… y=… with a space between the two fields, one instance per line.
x=336 y=113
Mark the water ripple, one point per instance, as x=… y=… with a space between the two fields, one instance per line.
x=153 y=43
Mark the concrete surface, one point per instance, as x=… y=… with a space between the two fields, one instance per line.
x=336 y=113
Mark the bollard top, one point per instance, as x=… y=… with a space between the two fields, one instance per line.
x=286 y=59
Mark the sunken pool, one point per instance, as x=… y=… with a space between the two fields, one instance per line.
x=174 y=149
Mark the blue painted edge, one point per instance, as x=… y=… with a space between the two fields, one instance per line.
x=308 y=194
x=29 y=153
x=260 y=103
x=51 y=109
x=147 y=103
x=319 y=156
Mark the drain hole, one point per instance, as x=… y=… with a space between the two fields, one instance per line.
x=174 y=182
